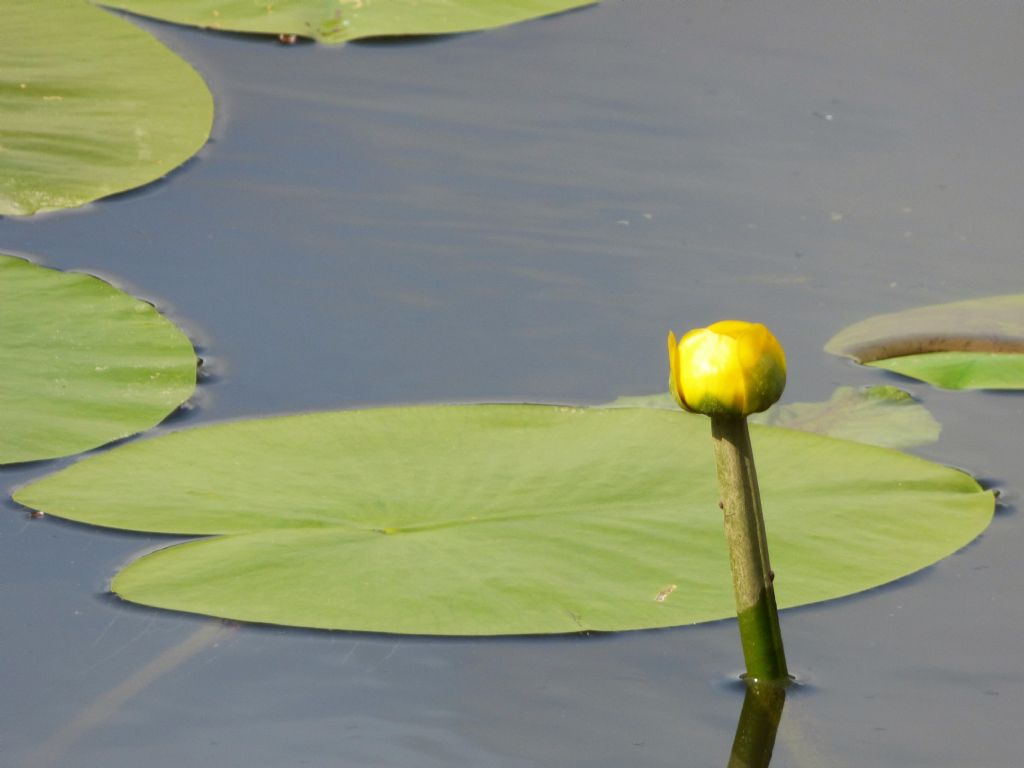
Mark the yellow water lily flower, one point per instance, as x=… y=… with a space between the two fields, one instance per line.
x=731 y=368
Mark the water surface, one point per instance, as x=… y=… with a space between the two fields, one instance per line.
x=520 y=215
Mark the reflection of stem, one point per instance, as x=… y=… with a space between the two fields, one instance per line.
x=759 y=722
x=752 y=575
x=107 y=704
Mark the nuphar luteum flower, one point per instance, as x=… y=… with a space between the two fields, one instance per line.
x=731 y=368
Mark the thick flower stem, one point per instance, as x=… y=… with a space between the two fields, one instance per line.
x=752 y=575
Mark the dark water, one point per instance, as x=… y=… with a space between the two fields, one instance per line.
x=520 y=215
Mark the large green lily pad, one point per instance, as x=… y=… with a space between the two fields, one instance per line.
x=81 y=363
x=974 y=344
x=90 y=105
x=337 y=21
x=499 y=519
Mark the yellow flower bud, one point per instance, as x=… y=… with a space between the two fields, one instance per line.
x=731 y=368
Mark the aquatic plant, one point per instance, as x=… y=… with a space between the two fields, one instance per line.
x=729 y=371
x=82 y=363
x=972 y=344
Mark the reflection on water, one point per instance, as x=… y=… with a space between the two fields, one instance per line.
x=100 y=710
x=758 y=724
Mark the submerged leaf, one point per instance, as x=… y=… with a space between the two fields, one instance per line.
x=90 y=105
x=81 y=363
x=971 y=344
x=337 y=21
x=499 y=519
x=881 y=415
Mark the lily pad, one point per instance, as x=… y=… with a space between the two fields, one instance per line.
x=880 y=415
x=971 y=344
x=337 y=21
x=90 y=105
x=81 y=363
x=961 y=370
x=499 y=519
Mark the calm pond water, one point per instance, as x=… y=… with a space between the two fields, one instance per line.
x=520 y=215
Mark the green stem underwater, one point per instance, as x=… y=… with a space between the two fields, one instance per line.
x=752 y=576
x=759 y=723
